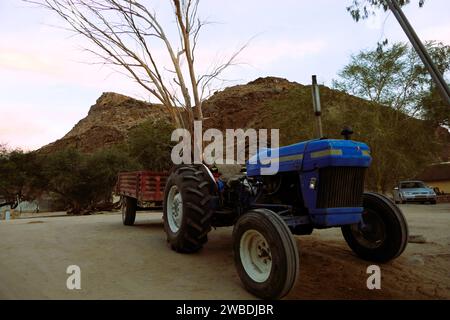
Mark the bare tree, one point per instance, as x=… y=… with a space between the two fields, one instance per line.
x=127 y=34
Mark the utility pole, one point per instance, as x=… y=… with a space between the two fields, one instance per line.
x=438 y=79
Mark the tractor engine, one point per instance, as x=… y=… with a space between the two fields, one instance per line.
x=236 y=195
x=320 y=178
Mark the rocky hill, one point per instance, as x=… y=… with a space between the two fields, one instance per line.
x=278 y=103
x=264 y=103
x=106 y=124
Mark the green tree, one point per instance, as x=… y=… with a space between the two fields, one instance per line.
x=362 y=9
x=435 y=109
x=3 y=149
x=395 y=80
x=101 y=169
x=393 y=76
x=82 y=181
x=150 y=144
x=16 y=170
x=400 y=145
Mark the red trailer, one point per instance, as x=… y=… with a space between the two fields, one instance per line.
x=139 y=187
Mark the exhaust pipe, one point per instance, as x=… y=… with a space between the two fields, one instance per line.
x=317 y=106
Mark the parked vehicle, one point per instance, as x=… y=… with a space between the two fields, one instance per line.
x=414 y=191
x=139 y=187
x=320 y=184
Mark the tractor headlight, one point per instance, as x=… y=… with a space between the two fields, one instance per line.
x=313 y=183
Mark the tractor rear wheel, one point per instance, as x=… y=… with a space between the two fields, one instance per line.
x=382 y=235
x=129 y=206
x=187 y=211
x=265 y=254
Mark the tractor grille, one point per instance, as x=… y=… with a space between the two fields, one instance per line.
x=340 y=187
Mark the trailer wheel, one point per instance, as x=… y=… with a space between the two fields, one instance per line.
x=265 y=254
x=383 y=233
x=187 y=212
x=129 y=206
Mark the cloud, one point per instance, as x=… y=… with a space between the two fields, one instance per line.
x=264 y=53
x=16 y=60
x=53 y=61
x=261 y=54
x=30 y=126
x=23 y=133
x=439 y=33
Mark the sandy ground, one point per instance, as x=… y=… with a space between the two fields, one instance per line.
x=119 y=262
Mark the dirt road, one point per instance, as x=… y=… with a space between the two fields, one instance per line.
x=119 y=262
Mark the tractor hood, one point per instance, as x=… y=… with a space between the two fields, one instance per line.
x=310 y=155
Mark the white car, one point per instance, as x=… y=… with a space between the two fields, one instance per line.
x=414 y=191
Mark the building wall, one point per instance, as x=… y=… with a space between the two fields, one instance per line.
x=43 y=204
x=28 y=206
x=444 y=186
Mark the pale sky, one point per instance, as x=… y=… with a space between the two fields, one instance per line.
x=46 y=86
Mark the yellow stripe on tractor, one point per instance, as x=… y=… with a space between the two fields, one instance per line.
x=326 y=153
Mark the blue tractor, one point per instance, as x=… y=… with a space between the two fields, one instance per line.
x=320 y=184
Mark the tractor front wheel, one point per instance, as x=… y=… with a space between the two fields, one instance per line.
x=382 y=235
x=265 y=254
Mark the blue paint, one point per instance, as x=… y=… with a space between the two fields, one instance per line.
x=220 y=185
x=352 y=156
x=305 y=159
